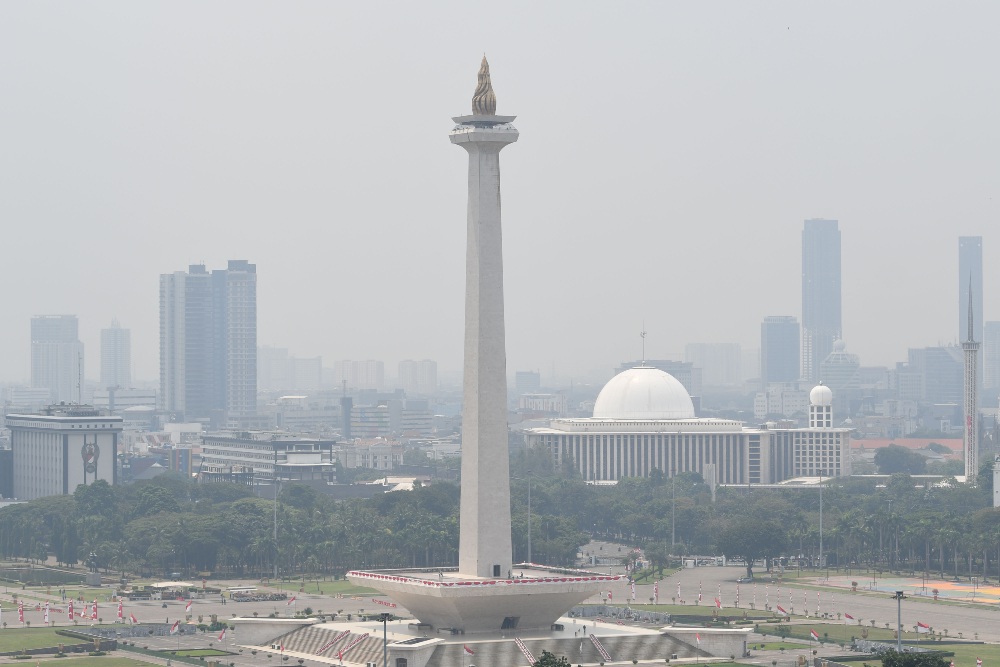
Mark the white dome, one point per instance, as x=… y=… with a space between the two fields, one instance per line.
x=644 y=392
x=821 y=395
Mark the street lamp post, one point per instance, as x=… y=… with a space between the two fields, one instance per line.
x=385 y=638
x=529 y=521
x=898 y=597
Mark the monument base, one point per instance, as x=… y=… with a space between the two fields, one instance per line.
x=532 y=600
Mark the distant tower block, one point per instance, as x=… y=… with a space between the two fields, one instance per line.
x=484 y=532
x=970 y=395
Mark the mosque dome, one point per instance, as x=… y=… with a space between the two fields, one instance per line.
x=644 y=392
x=820 y=395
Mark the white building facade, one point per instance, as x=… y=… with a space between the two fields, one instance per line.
x=644 y=420
x=57 y=451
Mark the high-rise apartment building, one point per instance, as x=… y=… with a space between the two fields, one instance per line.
x=364 y=375
x=208 y=342
x=57 y=357
x=720 y=363
x=779 y=350
x=116 y=357
x=821 y=301
x=418 y=378
x=991 y=355
x=970 y=275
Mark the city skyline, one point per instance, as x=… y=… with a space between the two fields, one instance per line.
x=269 y=166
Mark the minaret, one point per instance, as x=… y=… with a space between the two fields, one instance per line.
x=971 y=399
x=484 y=530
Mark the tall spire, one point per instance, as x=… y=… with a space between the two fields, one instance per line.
x=971 y=339
x=484 y=101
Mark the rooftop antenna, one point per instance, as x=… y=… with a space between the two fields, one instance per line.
x=642 y=335
x=971 y=314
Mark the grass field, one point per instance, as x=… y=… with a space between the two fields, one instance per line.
x=965 y=654
x=777 y=646
x=15 y=639
x=341 y=586
x=837 y=633
x=196 y=652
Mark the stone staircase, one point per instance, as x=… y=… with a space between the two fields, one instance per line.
x=579 y=650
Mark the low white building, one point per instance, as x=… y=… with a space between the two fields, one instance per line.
x=644 y=420
x=65 y=446
x=256 y=456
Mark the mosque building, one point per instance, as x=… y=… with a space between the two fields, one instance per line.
x=644 y=420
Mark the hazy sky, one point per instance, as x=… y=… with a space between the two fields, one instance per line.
x=669 y=153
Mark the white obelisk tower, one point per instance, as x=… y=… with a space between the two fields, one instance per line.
x=970 y=396
x=484 y=531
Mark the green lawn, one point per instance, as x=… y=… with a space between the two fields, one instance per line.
x=341 y=586
x=702 y=611
x=965 y=654
x=838 y=633
x=15 y=639
x=195 y=652
x=777 y=646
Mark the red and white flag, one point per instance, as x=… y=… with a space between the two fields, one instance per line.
x=697 y=638
x=133 y=619
x=20 y=610
x=121 y=611
x=979 y=662
x=952 y=663
x=175 y=628
x=282 y=645
x=718 y=603
x=69 y=610
x=187 y=607
x=93 y=611
x=923 y=627
x=222 y=635
x=468 y=650
x=814 y=635
x=291 y=600
x=848 y=616
x=782 y=610
x=609 y=595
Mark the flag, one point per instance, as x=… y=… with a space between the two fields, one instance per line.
x=697 y=638
x=69 y=610
x=175 y=628
x=848 y=616
x=46 y=613
x=187 y=607
x=923 y=627
x=20 y=610
x=132 y=618
x=121 y=610
x=782 y=610
x=93 y=611
x=282 y=645
x=468 y=650
x=609 y=595
x=718 y=603
x=291 y=600
x=979 y=662
x=814 y=635
x=222 y=635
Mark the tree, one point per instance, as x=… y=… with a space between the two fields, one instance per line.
x=893 y=459
x=752 y=538
x=894 y=659
x=549 y=660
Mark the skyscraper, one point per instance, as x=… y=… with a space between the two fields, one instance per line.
x=970 y=395
x=57 y=357
x=418 y=378
x=116 y=357
x=991 y=355
x=970 y=276
x=821 y=306
x=779 y=350
x=208 y=342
